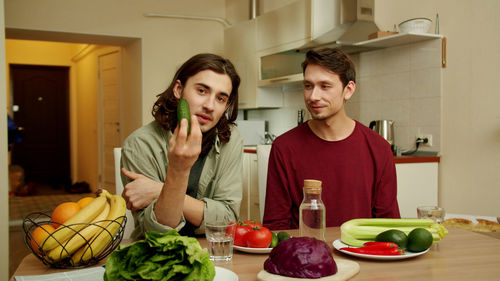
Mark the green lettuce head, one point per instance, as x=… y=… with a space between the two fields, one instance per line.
x=161 y=256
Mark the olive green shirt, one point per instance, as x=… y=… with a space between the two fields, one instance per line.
x=220 y=184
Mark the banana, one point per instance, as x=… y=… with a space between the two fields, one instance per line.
x=78 y=240
x=77 y=222
x=102 y=239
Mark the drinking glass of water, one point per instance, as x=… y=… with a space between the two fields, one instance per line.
x=431 y=212
x=220 y=237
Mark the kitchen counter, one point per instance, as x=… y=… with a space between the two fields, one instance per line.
x=416 y=159
x=461 y=255
x=397 y=159
x=250 y=149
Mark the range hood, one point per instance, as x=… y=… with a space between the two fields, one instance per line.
x=341 y=22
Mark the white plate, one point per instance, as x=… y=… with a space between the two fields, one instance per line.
x=337 y=244
x=224 y=274
x=253 y=250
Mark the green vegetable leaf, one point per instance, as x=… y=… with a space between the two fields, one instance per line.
x=160 y=256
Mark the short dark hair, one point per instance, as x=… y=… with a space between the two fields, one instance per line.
x=165 y=108
x=335 y=60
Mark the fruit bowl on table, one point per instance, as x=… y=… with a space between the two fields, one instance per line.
x=38 y=220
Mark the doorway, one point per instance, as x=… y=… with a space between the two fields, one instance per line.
x=41 y=108
x=108 y=109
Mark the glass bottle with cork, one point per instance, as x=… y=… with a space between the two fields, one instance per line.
x=312 y=211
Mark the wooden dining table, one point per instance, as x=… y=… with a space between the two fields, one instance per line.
x=461 y=255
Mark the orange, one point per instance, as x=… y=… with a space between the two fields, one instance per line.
x=63 y=212
x=84 y=201
x=39 y=235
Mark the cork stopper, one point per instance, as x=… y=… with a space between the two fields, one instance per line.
x=312 y=186
x=312 y=183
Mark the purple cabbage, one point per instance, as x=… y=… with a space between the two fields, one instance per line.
x=301 y=257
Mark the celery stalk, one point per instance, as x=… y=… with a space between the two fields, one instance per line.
x=356 y=232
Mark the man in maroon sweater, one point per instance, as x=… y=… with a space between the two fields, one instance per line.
x=355 y=164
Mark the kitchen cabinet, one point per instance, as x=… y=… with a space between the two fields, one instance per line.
x=299 y=23
x=417 y=186
x=240 y=48
x=249 y=209
x=284 y=28
x=263 y=152
x=255 y=161
x=311 y=23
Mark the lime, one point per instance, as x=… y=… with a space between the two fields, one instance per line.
x=393 y=235
x=419 y=240
x=274 y=241
x=282 y=236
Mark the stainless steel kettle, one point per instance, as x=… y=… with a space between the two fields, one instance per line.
x=385 y=128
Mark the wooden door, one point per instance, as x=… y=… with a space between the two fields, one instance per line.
x=109 y=111
x=41 y=99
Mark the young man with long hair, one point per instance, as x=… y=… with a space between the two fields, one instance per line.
x=178 y=180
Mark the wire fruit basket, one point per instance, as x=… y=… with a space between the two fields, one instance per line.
x=38 y=219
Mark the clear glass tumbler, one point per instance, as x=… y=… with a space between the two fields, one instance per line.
x=431 y=212
x=220 y=237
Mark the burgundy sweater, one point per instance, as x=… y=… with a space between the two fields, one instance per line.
x=358 y=175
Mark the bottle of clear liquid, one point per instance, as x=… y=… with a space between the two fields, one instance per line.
x=312 y=211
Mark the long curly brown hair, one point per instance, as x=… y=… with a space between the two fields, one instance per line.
x=165 y=108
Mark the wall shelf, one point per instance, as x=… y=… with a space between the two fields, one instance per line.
x=379 y=43
x=397 y=39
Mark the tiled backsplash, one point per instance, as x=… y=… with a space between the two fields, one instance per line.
x=401 y=83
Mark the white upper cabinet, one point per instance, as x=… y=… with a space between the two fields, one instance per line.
x=305 y=23
x=240 y=48
x=284 y=28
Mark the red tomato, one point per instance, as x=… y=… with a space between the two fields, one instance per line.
x=252 y=224
x=259 y=237
x=230 y=230
x=240 y=235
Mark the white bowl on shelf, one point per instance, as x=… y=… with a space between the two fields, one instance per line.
x=416 y=25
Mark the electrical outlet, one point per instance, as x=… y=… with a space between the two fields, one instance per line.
x=428 y=137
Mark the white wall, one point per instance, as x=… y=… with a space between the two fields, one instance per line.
x=470 y=131
x=166 y=43
x=4 y=199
